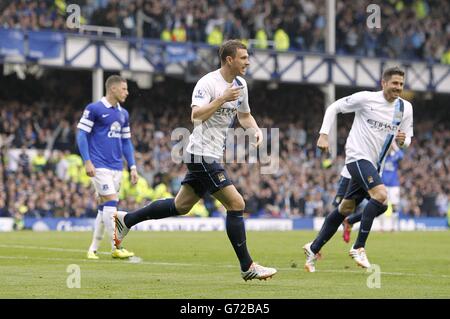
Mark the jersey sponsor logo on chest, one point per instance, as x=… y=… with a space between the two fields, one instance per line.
x=380 y=126
x=226 y=111
x=115 y=130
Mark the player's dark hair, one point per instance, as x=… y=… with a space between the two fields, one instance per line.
x=388 y=73
x=113 y=79
x=229 y=48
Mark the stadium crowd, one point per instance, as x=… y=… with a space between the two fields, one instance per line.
x=410 y=29
x=43 y=175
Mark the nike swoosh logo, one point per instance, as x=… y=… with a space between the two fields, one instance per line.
x=239 y=245
x=105 y=115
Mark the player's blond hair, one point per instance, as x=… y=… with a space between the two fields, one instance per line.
x=113 y=79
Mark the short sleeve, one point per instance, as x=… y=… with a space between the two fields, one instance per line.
x=88 y=119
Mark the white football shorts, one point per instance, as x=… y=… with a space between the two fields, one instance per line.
x=107 y=181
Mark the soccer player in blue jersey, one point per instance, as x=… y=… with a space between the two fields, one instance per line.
x=392 y=182
x=380 y=117
x=104 y=138
x=218 y=98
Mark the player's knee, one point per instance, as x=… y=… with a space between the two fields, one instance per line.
x=107 y=198
x=237 y=204
x=183 y=208
x=347 y=207
x=380 y=195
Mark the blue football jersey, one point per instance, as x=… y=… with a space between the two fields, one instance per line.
x=390 y=171
x=107 y=126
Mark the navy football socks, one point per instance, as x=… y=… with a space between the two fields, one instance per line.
x=329 y=228
x=158 y=209
x=354 y=218
x=236 y=233
x=373 y=209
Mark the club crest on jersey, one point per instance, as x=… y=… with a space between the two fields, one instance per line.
x=370 y=179
x=114 y=131
x=221 y=177
x=105 y=187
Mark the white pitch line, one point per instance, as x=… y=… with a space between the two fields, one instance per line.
x=182 y=264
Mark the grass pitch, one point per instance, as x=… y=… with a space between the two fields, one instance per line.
x=201 y=265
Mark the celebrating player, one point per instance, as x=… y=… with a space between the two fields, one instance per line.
x=217 y=98
x=380 y=117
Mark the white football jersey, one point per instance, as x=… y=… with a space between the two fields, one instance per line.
x=208 y=138
x=376 y=123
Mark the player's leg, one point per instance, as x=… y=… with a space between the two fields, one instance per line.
x=352 y=219
x=162 y=208
x=104 y=185
x=99 y=230
x=119 y=252
x=332 y=223
x=394 y=199
x=343 y=185
x=235 y=227
x=367 y=177
x=190 y=193
x=353 y=196
x=329 y=228
x=375 y=207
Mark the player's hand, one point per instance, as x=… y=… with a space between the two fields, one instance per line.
x=322 y=143
x=400 y=138
x=134 y=176
x=90 y=168
x=232 y=93
x=259 y=137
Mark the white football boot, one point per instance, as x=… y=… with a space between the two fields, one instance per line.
x=258 y=272
x=310 y=258
x=359 y=255
x=120 y=230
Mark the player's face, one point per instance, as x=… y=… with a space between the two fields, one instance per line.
x=393 y=87
x=241 y=62
x=120 y=91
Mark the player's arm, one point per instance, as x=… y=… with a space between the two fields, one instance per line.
x=202 y=112
x=248 y=122
x=346 y=104
x=128 y=152
x=84 y=128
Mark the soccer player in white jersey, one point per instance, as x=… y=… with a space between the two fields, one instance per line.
x=103 y=138
x=380 y=117
x=218 y=98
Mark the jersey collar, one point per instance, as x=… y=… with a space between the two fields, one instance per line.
x=107 y=104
